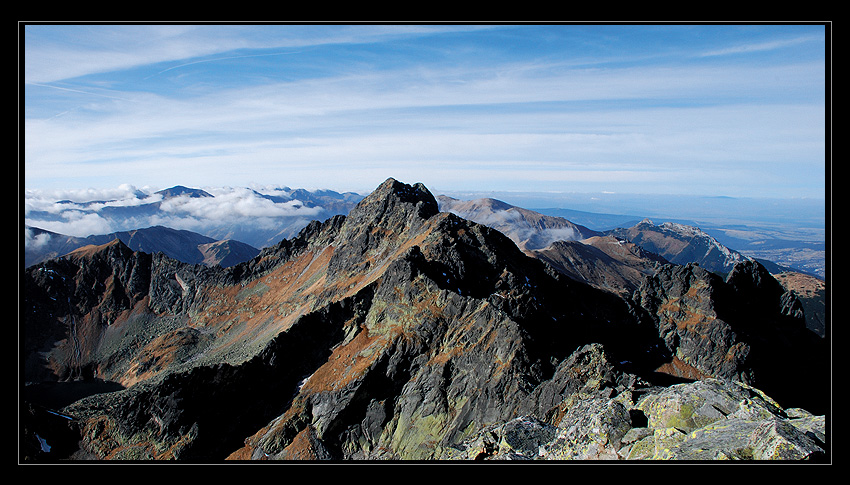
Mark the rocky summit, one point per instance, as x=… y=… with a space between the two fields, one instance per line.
x=400 y=332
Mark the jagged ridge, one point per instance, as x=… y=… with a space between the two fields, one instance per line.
x=682 y=244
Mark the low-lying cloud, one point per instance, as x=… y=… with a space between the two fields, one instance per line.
x=526 y=233
x=35 y=241
x=88 y=212
x=234 y=203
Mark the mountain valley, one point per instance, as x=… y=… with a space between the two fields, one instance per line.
x=415 y=327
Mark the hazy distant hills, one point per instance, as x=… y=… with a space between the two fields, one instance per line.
x=185 y=246
x=41 y=245
x=594 y=220
x=179 y=190
x=563 y=243
x=681 y=244
x=602 y=261
x=796 y=243
x=678 y=241
x=528 y=229
x=222 y=226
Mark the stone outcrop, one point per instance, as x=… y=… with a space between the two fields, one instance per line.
x=711 y=419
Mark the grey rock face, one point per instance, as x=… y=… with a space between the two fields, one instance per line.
x=681 y=302
x=715 y=419
x=592 y=429
x=745 y=328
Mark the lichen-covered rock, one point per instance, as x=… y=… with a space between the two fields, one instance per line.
x=778 y=439
x=521 y=438
x=725 y=420
x=697 y=421
x=586 y=373
x=526 y=436
x=808 y=423
x=592 y=429
x=638 y=444
x=697 y=404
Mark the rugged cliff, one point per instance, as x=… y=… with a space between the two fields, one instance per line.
x=747 y=328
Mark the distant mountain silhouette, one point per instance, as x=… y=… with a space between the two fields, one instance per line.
x=185 y=246
x=528 y=229
x=179 y=190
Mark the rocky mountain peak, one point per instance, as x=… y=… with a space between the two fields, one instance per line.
x=393 y=196
x=753 y=276
x=680 y=244
x=379 y=225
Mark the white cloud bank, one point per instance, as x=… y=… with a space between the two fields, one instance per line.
x=86 y=212
x=35 y=241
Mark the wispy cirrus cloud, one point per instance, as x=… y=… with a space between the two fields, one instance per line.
x=771 y=45
x=556 y=107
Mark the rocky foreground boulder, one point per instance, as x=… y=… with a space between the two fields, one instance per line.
x=711 y=419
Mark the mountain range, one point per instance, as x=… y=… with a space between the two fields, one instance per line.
x=619 y=259
x=182 y=245
x=405 y=332
x=256 y=217
x=616 y=259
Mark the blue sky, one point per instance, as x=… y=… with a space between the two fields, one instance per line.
x=718 y=110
